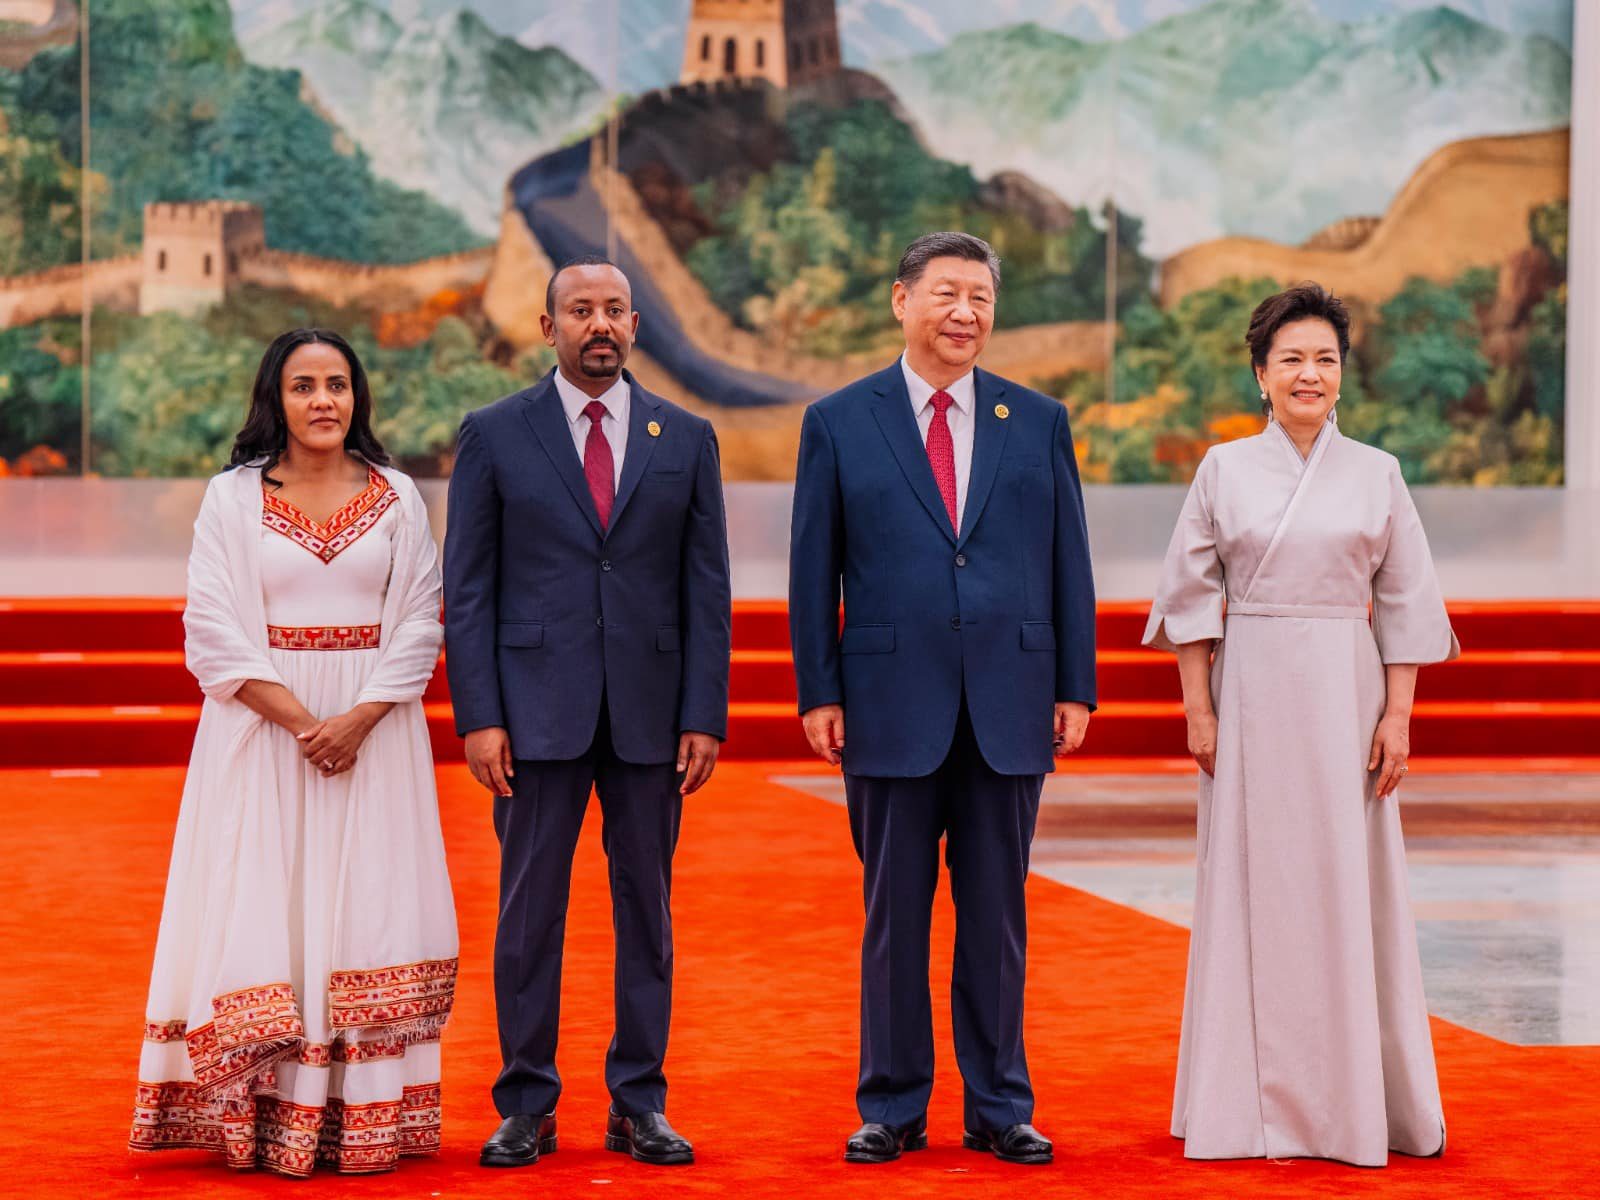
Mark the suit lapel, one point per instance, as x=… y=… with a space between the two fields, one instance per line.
x=892 y=410
x=988 y=440
x=642 y=409
x=548 y=420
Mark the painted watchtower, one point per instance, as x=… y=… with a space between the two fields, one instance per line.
x=784 y=42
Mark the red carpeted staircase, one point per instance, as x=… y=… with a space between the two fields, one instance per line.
x=101 y=682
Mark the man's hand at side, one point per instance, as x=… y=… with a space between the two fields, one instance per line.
x=825 y=731
x=697 y=756
x=489 y=759
x=1072 y=722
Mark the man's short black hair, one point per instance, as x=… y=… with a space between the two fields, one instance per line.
x=583 y=260
x=946 y=245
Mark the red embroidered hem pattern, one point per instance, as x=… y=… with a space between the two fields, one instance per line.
x=287 y=1138
x=391 y=995
x=230 y=1109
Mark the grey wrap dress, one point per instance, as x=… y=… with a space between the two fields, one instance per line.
x=1305 y=1030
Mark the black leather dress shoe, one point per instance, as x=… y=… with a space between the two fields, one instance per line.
x=1014 y=1144
x=648 y=1138
x=519 y=1141
x=876 y=1143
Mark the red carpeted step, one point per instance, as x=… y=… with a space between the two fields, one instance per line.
x=160 y=677
x=121 y=623
x=760 y=625
x=93 y=681
x=103 y=735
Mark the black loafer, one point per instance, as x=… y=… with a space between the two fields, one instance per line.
x=519 y=1141
x=876 y=1142
x=1013 y=1144
x=648 y=1138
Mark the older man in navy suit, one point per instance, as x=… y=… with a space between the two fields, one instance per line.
x=945 y=502
x=587 y=624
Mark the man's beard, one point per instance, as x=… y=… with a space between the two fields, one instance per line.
x=607 y=370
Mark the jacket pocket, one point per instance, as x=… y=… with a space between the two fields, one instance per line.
x=667 y=639
x=1038 y=635
x=527 y=634
x=867 y=639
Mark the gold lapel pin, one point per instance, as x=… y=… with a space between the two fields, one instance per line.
x=1001 y=411
x=655 y=429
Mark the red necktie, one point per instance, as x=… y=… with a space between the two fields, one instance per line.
x=598 y=468
x=942 y=453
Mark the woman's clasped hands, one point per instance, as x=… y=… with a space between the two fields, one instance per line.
x=331 y=745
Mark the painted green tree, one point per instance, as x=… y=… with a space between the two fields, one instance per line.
x=176 y=113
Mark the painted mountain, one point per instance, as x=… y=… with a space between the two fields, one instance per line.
x=1257 y=117
x=443 y=104
x=873 y=30
x=634 y=44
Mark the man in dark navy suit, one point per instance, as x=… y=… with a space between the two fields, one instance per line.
x=587 y=623
x=945 y=502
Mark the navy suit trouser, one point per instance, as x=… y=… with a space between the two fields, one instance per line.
x=538 y=829
x=987 y=820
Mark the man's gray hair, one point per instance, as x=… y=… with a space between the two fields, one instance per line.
x=946 y=245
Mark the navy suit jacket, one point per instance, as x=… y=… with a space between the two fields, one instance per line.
x=1002 y=613
x=544 y=611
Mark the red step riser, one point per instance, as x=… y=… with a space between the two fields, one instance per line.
x=68 y=683
x=763 y=626
x=90 y=630
x=146 y=742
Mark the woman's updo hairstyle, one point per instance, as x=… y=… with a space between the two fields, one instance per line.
x=1304 y=301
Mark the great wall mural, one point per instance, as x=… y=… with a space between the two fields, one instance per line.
x=407 y=171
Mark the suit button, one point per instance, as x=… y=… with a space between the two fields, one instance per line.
x=961 y=560
x=600 y=622
x=605 y=564
x=955 y=622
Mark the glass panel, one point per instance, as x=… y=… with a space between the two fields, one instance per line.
x=43 y=190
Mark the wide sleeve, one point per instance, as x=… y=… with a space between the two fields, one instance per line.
x=816 y=565
x=1190 y=598
x=219 y=652
x=707 y=601
x=1408 y=614
x=411 y=643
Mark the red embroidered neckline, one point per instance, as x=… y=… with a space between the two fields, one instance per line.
x=341 y=530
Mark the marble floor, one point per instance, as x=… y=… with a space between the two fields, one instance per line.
x=1505 y=882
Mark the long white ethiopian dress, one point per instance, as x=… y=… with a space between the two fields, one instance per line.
x=1305 y=1029
x=307 y=956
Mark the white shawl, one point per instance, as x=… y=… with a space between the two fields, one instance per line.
x=225 y=621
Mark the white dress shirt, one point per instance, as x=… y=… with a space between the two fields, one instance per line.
x=960 y=416
x=614 y=425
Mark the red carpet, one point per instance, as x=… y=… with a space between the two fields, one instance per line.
x=763 y=1053
x=102 y=683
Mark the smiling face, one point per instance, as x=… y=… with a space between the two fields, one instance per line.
x=592 y=324
x=947 y=314
x=318 y=401
x=1302 y=372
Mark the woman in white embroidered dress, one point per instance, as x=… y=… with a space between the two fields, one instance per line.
x=1305 y=1030
x=307 y=955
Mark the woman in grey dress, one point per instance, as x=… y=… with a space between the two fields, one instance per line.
x=1305 y=1031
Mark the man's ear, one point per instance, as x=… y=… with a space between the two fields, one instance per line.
x=548 y=328
x=897 y=300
